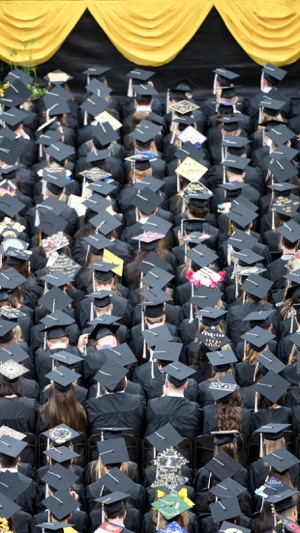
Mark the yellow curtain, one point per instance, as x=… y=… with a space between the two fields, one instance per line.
x=268 y=30
x=149 y=32
x=32 y=31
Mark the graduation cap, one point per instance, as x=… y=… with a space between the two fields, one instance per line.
x=241 y=240
x=96 y=70
x=282 y=169
x=11 y=485
x=11 y=447
x=113 y=502
x=97 y=203
x=103 y=326
x=55 y=106
x=98 y=88
x=157 y=278
x=206 y=297
x=213 y=338
x=231 y=123
x=20 y=75
x=225 y=76
x=272 y=431
x=10 y=151
x=110 y=375
x=156 y=335
x=158 y=224
x=61 y=434
x=258 y=337
x=286 y=207
x=103 y=188
x=290 y=231
x=258 y=316
x=280 y=135
x=50 y=137
x=98 y=155
x=55 y=324
x=57 y=77
x=105 y=223
x=103 y=270
x=53 y=526
x=140 y=74
x=271 y=105
x=56 y=278
x=247 y=256
x=236 y=164
x=228 y=527
x=225 y=509
x=105 y=134
x=223 y=386
x=6 y=333
x=221 y=357
x=272 y=73
x=50 y=223
x=191 y=169
x=178 y=373
x=284 y=151
x=60 y=504
x=241 y=215
x=145 y=90
x=11 y=279
x=65 y=357
x=281 y=460
x=14 y=352
x=144 y=132
x=60 y=92
x=120 y=354
x=60 y=151
x=13 y=116
x=61 y=454
x=272 y=386
x=152 y=260
x=171 y=505
x=7 y=507
x=59 y=477
x=115 y=480
x=94 y=105
x=101 y=298
x=211 y=316
x=55 y=299
x=202 y=256
x=10 y=370
x=98 y=241
x=113 y=451
x=164 y=438
x=167 y=351
x=222 y=466
x=257 y=286
x=56 y=183
x=62 y=377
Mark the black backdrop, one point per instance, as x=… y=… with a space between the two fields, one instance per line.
x=212 y=46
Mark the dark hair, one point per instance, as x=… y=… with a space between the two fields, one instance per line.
x=9 y=388
x=63 y=408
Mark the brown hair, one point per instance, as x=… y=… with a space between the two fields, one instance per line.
x=63 y=408
x=10 y=388
x=229 y=412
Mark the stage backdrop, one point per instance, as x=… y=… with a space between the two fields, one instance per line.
x=191 y=38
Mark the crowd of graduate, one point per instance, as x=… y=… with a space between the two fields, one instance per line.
x=149 y=302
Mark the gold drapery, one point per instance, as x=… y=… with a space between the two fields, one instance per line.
x=149 y=32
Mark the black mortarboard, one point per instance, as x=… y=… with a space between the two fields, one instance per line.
x=225 y=509
x=257 y=286
x=53 y=526
x=59 y=477
x=103 y=270
x=64 y=357
x=55 y=324
x=272 y=431
x=140 y=74
x=63 y=377
x=157 y=278
x=60 y=92
x=145 y=131
x=272 y=386
x=234 y=141
x=104 y=325
x=55 y=106
x=60 y=434
x=120 y=354
x=145 y=90
x=282 y=169
x=211 y=316
x=105 y=223
x=236 y=164
x=222 y=357
x=105 y=134
x=99 y=155
x=258 y=316
x=281 y=460
x=222 y=466
x=225 y=76
x=99 y=242
x=258 y=337
x=113 y=451
x=147 y=201
x=248 y=257
x=13 y=351
x=13 y=116
x=110 y=375
x=202 y=256
x=94 y=105
x=10 y=279
x=284 y=151
x=6 y=335
x=167 y=351
x=55 y=183
x=60 y=151
x=54 y=205
x=152 y=260
x=20 y=75
x=7 y=507
x=290 y=231
x=101 y=298
x=115 y=480
x=164 y=438
x=103 y=188
x=241 y=240
x=280 y=135
x=11 y=447
x=57 y=279
x=223 y=386
x=96 y=70
x=49 y=223
x=98 y=88
x=241 y=215
x=271 y=105
x=205 y=297
x=113 y=502
x=10 y=151
x=50 y=137
x=61 y=454
x=178 y=372
x=60 y=504
x=157 y=224
x=55 y=299
x=11 y=485
x=156 y=335
x=272 y=73
x=97 y=203
x=228 y=488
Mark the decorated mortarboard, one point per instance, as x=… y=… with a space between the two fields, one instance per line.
x=106 y=117
x=94 y=174
x=223 y=386
x=113 y=451
x=167 y=351
x=145 y=132
x=105 y=223
x=147 y=239
x=222 y=357
x=190 y=134
x=57 y=77
x=171 y=505
x=7 y=507
x=157 y=278
x=11 y=313
x=63 y=377
x=202 y=256
x=213 y=338
x=61 y=434
x=10 y=370
x=222 y=466
x=156 y=335
x=59 y=477
x=286 y=206
x=110 y=375
x=247 y=256
x=281 y=460
x=282 y=169
x=225 y=509
x=61 y=454
x=290 y=231
x=272 y=386
x=184 y=106
x=10 y=446
x=14 y=352
x=191 y=169
x=272 y=72
x=60 y=504
x=178 y=371
x=257 y=285
x=60 y=151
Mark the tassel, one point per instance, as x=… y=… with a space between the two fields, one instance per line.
x=130 y=88
x=167 y=100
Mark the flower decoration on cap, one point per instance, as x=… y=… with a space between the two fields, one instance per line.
x=205 y=276
x=4 y=526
